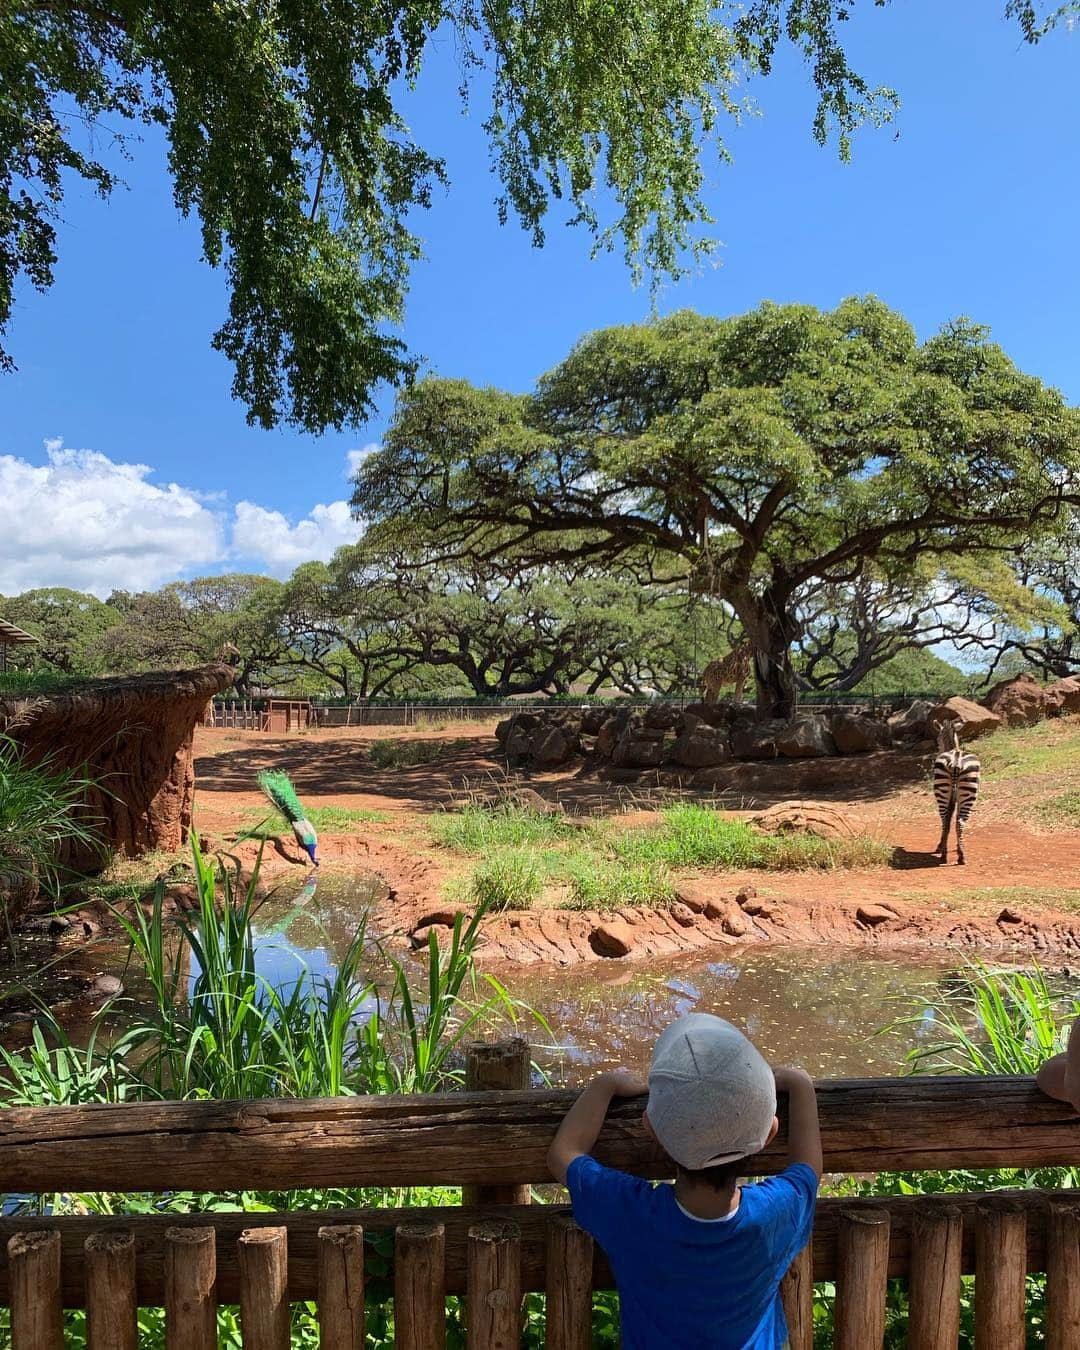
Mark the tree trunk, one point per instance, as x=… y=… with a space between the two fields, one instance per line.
x=771 y=628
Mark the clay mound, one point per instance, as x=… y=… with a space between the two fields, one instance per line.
x=806 y=818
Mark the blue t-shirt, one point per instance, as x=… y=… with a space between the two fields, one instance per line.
x=696 y=1284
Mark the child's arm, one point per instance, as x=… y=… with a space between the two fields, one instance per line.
x=581 y=1124
x=804 y=1133
x=1059 y=1077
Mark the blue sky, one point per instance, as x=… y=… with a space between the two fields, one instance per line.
x=124 y=461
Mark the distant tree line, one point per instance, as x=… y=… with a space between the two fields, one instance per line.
x=408 y=623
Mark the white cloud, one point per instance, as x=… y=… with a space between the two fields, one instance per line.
x=354 y=458
x=268 y=537
x=84 y=521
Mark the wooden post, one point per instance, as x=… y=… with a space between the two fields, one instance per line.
x=264 y=1289
x=112 y=1305
x=937 y=1239
x=341 y=1287
x=493 y=1308
x=569 y=1268
x=190 y=1289
x=861 y=1274
x=497 y=1066
x=1062 y=1274
x=420 y=1286
x=1000 y=1269
x=797 y=1294
x=37 y=1314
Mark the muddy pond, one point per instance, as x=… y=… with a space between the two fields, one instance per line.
x=835 y=1013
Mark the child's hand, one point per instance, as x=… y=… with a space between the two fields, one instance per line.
x=785 y=1075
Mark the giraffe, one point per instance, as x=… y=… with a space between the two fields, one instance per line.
x=731 y=669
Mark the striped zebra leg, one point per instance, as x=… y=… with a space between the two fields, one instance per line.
x=945 y=810
x=967 y=792
x=945 y=796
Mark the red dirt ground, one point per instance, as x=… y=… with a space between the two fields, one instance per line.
x=1007 y=863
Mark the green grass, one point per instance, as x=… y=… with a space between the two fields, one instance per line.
x=509 y=880
x=986 y=898
x=326 y=819
x=479 y=829
x=401 y=754
x=1049 y=748
x=598 y=865
x=1064 y=809
x=20 y=682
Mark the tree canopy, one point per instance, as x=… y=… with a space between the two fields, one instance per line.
x=288 y=140
x=760 y=453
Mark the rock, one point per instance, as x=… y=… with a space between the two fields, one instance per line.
x=871 y=915
x=553 y=745
x=758 y=740
x=516 y=745
x=592 y=719
x=608 y=735
x=712 y=714
x=614 y=938
x=913 y=724
x=683 y=915
x=699 y=745
x=974 y=719
x=855 y=735
x=527 y=800
x=1010 y=916
x=1063 y=696
x=106 y=986
x=745 y=894
x=716 y=907
x=443 y=918
x=807 y=817
x=735 y=923
x=633 y=752
x=805 y=737
x=502 y=729
x=1019 y=702
x=663 y=716
x=690 y=895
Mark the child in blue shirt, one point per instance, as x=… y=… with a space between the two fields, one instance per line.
x=698 y=1264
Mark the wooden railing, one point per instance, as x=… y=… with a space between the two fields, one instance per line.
x=492 y=1253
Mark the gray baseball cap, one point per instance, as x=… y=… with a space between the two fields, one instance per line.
x=712 y=1096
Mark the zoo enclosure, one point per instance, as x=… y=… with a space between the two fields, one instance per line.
x=253 y=714
x=495 y=1248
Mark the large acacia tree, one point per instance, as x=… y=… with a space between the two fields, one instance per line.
x=761 y=452
x=288 y=140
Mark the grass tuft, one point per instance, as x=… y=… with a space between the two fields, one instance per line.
x=509 y=880
x=479 y=829
x=400 y=754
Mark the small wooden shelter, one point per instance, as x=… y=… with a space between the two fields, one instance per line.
x=288 y=714
x=10 y=636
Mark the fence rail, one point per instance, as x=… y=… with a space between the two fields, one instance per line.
x=492 y=1254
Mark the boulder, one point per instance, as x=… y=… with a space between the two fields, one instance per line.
x=735 y=923
x=974 y=719
x=592 y=719
x=855 y=735
x=663 y=716
x=806 y=737
x=633 y=751
x=699 y=745
x=608 y=735
x=758 y=740
x=714 y=714
x=614 y=938
x=1019 y=702
x=1063 y=696
x=553 y=745
x=913 y=724
x=807 y=817
x=871 y=915
x=683 y=915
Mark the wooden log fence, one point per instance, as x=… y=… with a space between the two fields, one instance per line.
x=493 y=1254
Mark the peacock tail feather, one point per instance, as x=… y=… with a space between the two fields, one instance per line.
x=278 y=787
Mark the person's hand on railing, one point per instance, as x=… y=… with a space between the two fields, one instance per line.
x=1059 y=1077
x=581 y=1125
x=804 y=1133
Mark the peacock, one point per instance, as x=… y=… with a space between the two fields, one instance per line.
x=278 y=787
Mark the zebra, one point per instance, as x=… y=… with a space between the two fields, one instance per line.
x=956 y=786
